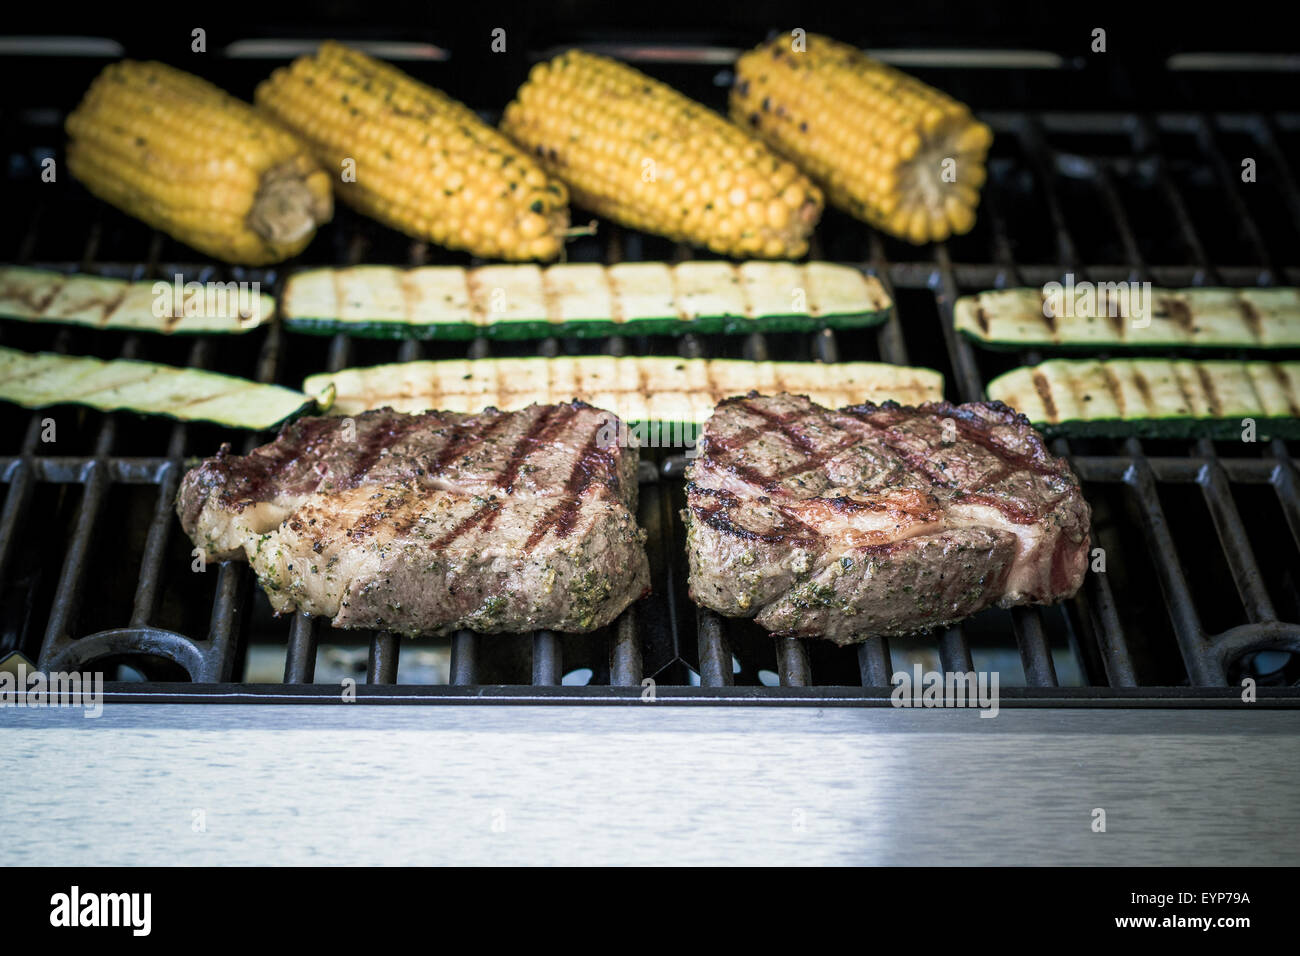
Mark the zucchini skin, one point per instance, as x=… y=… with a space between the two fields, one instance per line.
x=1185 y=321
x=1081 y=349
x=1155 y=398
x=639 y=389
x=702 y=297
x=1218 y=429
x=582 y=328
x=49 y=379
x=121 y=304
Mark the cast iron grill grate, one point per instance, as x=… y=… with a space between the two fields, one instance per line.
x=1201 y=539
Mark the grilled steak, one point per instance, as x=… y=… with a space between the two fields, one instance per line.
x=422 y=524
x=877 y=519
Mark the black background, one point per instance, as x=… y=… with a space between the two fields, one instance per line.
x=1130 y=74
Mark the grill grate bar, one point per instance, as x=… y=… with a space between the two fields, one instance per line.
x=1206 y=139
x=715 y=657
x=1233 y=538
x=300 y=654
x=1035 y=653
x=970 y=387
x=1265 y=135
x=20 y=476
x=661 y=640
x=1166 y=469
x=625 y=661
x=227 y=616
x=991 y=210
x=792 y=662
x=1286 y=483
x=381 y=663
x=1147 y=138
x=146 y=593
x=464 y=650
x=67 y=597
x=954 y=651
x=547 y=669
x=1030 y=133
x=28 y=244
x=1106 y=631
x=1119 y=216
x=874 y=664
x=1173 y=583
x=889 y=339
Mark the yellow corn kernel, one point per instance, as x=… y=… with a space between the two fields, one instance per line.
x=636 y=151
x=416 y=159
x=891 y=150
x=185 y=157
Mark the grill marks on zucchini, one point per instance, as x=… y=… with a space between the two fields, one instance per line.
x=637 y=389
x=44 y=295
x=37 y=380
x=1262 y=318
x=1155 y=397
x=582 y=299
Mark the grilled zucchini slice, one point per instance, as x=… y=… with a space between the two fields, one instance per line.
x=40 y=379
x=1155 y=398
x=44 y=295
x=582 y=299
x=1260 y=318
x=637 y=389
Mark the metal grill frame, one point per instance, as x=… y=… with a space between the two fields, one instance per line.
x=640 y=648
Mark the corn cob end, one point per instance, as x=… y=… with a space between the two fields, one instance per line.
x=638 y=152
x=185 y=157
x=421 y=162
x=891 y=150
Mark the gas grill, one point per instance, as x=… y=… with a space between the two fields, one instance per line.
x=1200 y=539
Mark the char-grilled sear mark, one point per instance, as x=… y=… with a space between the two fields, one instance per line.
x=1044 y=389
x=594 y=463
x=1211 y=393
x=422 y=524
x=466 y=436
x=785 y=425
x=15 y=292
x=532 y=436
x=886 y=520
x=1250 y=315
x=480 y=516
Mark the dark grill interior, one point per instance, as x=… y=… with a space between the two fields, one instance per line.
x=1201 y=539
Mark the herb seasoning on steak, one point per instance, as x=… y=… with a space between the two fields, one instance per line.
x=877 y=520
x=426 y=523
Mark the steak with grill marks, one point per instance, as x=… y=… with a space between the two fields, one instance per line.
x=877 y=520
x=426 y=523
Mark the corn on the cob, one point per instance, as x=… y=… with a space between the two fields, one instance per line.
x=195 y=162
x=640 y=153
x=424 y=163
x=887 y=148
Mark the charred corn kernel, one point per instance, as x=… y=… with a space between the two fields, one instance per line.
x=640 y=153
x=415 y=159
x=892 y=151
x=198 y=164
